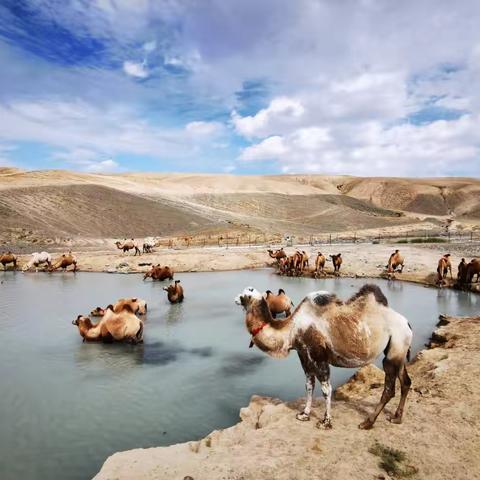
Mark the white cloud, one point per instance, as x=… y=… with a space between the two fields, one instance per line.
x=103 y=166
x=150 y=46
x=138 y=70
x=87 y=160
x=204 y=129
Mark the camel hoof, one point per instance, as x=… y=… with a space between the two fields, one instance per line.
x=325 y=424
x=395 y=419
x=303 y=417
x=366 y=425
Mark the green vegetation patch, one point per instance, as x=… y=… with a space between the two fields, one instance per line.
x=392 y=461
x=423 y=240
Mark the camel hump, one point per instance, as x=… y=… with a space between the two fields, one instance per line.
x=126 y=308
x=322 y=298
x=375 y=290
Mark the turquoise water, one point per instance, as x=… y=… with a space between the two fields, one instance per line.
x=66 y=405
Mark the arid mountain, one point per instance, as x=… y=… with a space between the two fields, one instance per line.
x=60 y=203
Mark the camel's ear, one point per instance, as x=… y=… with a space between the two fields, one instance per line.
x=134 y=299
x=177 y=281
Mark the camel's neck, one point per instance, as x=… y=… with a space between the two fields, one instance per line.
x=271 y=336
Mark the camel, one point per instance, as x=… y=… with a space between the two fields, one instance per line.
x=38 y=259
x=337 y=263
x=278 y=303
x=462 y=271
x=128 y=245
x=149 y=244
x=63 y=262
x=138 y=305
x=6 y=258
x=394 y=262
x=320 y=264
x=473 y=268
x=278 y=254
x=174 y=292
x=287 y=265
x=159 y=273
x=444 y=265
x=121 y=326
x=302 y=260
x=326 y=331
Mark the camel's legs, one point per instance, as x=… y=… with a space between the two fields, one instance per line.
x=405 y=383
x=323 y=374
x=391 y=371
x=309 y=387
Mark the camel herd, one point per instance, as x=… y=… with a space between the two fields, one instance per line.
x=465 y=271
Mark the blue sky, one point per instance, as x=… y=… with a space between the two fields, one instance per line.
x=361 y=87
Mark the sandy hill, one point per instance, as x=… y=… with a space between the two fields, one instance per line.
x=63 y=203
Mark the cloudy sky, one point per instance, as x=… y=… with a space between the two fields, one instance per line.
x=361 y=87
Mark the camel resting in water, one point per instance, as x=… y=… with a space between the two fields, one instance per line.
x=174 y=292
x=38 y=259
x=280 y=303
x=63 y=262
x=159 y=273
x=326 y=331
x=395 y=261
x=128 y=245
x=6 y=258
x=138 y=306
x=121 y=326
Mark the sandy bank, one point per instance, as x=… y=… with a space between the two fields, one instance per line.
x=440 y=435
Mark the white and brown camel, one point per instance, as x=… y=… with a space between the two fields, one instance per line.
x=8 y=257
x=63 y=262
x=122 y=326
x=326 y=331
x=128 y=245
x=38 y=259
x=279 y=303
x=320 y=264
x=395 y=262
x=175 y=292
x=157 y=272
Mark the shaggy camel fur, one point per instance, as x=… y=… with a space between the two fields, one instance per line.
x=326 y=331
x=38 y=259
x=159 y=273
x=337 y=262
x=395 y=261
x=280 y=303
x=444 y=265
x=320 y=264
x=278 y=254
x=174 y=292
x=63 y=262
x=6 y=258
x=122 y=326
x=128 y=245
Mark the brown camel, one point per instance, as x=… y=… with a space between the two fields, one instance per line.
x=63 y=262
x=174 y=292
x=337 y=263
x=473 y=268
x=159 y=273
x=280 y=303
x=6 y=258
x=122 y=326
x=326 y=331
x=137 y=305
x=395 y=261
x=287 y=265
x=302 y=260
x=278 y=254
x=128 y=245
x=320 y=264
x=462 y=271
x=444 y=265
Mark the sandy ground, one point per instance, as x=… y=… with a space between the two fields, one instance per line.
x=440 y=435
x=361 y=259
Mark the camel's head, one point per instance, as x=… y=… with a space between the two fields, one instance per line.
x=247 y=297
x=98 y=312
x=80 y=319
x=172 y=288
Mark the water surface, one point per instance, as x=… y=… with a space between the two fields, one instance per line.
x=66 y=405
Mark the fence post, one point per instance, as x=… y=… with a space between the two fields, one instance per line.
x=330 y=239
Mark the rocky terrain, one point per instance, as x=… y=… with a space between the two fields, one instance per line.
x=439 y=439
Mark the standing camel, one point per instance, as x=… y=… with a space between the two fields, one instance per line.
x=444 y=265
x=128 y=245
x=38 y=259
x=6 y=258
x=278 y=254
x=320 y=264
x=395 y=261
x=326 y=331
x=63 y=262
x=337 y=263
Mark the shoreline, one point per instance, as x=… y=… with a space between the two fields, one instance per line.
x=439 y=372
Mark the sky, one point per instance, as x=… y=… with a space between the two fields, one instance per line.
x=359 y=87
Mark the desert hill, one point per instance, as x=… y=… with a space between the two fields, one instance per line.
x=61 y=203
